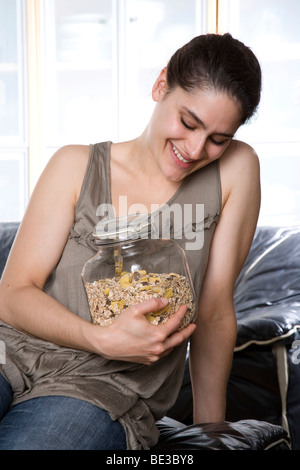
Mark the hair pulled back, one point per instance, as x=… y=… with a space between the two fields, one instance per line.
x=220 y=63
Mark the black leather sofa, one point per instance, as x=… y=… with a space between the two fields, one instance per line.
x=263 y=400
x=264 y=384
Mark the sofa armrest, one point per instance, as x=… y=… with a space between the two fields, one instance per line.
x=241 y=435
x=267 y=292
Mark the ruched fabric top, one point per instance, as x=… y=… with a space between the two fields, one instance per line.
x=136 y=395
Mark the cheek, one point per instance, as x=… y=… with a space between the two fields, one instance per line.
x=214 y=152
x=169 y=125
x=171 y=129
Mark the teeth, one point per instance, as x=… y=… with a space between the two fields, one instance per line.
x=179 y=155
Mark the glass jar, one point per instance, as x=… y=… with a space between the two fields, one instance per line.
x=131 y=266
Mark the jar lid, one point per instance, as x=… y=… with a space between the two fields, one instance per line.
x=128 y=227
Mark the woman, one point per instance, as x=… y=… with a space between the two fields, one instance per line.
x=76 y=385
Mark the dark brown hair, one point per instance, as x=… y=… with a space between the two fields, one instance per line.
x=221 y=63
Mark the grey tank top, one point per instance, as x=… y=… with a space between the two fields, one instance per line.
x=134 y=394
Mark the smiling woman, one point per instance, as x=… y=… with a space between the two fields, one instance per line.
x=114 y=382
x=198 y=125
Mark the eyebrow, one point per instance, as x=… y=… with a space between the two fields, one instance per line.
x=201 y=123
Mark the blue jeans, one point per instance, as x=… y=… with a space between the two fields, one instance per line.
x=56 y=423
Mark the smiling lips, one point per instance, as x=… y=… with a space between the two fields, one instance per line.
x=179 y=159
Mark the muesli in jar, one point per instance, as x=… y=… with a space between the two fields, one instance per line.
x=107 y=298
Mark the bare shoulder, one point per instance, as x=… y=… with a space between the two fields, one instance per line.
x=240 y=156
x=71 y=157
x=239 y=169
x=49 y=215
x=67 y=167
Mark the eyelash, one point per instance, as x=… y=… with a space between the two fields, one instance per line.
x=218 y=143
x=193 y=128
x=186 y=125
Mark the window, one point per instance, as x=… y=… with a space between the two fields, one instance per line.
x=271 y=29
x=13 y=135
x=78 y=72
x=82 y=71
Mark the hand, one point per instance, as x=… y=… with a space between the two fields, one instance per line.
x=131 y=337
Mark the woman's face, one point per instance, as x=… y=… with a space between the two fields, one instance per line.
x=189 y=130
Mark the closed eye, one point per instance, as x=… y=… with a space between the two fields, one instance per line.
x=186 y=125
x=216 y=142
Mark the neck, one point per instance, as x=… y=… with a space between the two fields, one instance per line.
x=136 y=175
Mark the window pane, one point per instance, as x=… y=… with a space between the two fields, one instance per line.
x=12 y=190
x=8 y=31
x=281 y=191
x=13 y=151
x=79 y=81
x=271 y=29
x=9 y=102
x=155 y=30
x=11 y=106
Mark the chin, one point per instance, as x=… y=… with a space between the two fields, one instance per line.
x=175 y=176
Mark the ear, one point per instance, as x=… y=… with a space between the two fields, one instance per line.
x=160 y=86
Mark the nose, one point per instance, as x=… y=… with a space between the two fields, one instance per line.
x=195 y=146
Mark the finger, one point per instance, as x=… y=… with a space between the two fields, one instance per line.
x=151 y=305
x=179 y=337
x=176 y=339
x=174 y=322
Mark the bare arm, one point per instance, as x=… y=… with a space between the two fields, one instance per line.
x=213 y=342
x=36 y=251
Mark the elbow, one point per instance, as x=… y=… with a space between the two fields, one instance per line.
x=218 y=321
x=5 y=293
x=217 y=313
x=9 y=299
